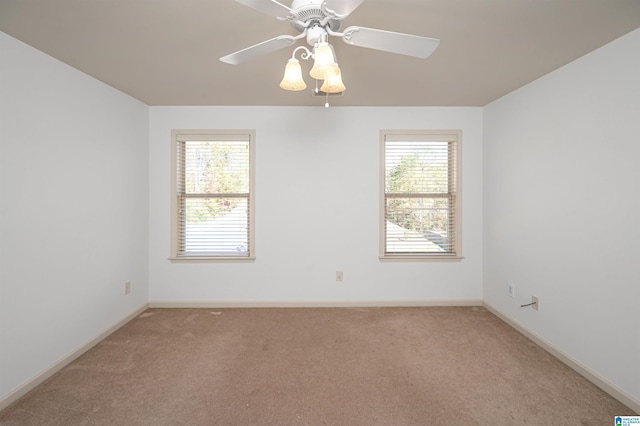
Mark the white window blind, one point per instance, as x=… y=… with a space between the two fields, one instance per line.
x=213 y=195
x=420 y=211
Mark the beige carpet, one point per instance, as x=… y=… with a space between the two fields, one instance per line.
x=360 y=366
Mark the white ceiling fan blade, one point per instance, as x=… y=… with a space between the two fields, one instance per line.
x=270 y=7
x=259 y=49
x=388 y=41
x=342 y=8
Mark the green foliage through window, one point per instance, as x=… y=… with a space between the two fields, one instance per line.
x=419 y=196
x=214 y=168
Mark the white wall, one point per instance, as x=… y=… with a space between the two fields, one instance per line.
x=561 y=209
x=73 y=210
x=317 y=192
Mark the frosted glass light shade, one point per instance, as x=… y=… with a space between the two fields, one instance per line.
x=292 y=79
x=323 y=59
x=333 y=81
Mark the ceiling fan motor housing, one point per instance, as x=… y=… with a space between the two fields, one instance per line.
x=310 y=11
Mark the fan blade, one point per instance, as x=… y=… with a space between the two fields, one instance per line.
x=388 y=41
x=270 y=7
x=342 y=8
x=259 y=49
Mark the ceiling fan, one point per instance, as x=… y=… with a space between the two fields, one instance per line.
x=317 y=20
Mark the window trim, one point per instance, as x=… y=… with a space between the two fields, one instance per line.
x=213 y=135
x=424 y=135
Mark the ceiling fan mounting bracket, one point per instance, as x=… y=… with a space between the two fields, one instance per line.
x=311 y=12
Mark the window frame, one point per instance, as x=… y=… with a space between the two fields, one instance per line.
x=454 y=136
x=210 y=135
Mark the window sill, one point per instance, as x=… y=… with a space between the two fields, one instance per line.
x=419 y=258
x=221 y=259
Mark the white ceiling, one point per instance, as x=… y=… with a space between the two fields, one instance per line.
x=165 y=52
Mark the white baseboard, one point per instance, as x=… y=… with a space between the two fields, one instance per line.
x=574 y=364
x=22 y=390
x=312 y=303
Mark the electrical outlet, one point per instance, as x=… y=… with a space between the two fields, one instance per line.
x=127 y=287
x=511 y=290
x=339 y=276
x=536 y=303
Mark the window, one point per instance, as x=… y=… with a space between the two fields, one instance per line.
x=420 y=196
x=212 y=209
